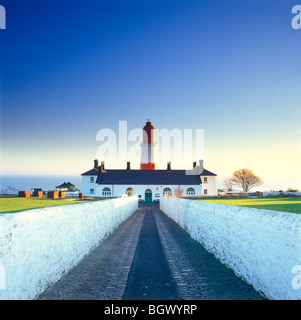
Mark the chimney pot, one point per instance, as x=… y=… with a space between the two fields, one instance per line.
x=128 y=166
x=168 y=165
x=194 y=164
x=95 y=163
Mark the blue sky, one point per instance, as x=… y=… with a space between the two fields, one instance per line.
x=232 y=68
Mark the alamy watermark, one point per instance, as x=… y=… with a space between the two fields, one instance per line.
x=2 y=17
x=296 y=21
x=296 y=281
x=180 y=146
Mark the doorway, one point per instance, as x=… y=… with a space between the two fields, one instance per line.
x=148 y=196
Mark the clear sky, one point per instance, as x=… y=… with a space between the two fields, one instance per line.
x=232 y=68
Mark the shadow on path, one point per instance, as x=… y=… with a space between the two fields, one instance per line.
x=150 y=276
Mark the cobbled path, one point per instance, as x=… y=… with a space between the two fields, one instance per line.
x=197 y=273
x=150 y=257
x=102 y=275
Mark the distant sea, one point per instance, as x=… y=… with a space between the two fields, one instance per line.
x=13 y=184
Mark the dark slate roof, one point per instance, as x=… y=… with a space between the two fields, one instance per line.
x=207 y=173
x=92 y=172
x=66 y=185
x=148 y=177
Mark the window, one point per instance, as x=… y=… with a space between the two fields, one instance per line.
x=106 y=192
x=91 y=191
x=167 y=192
x=91 y=179
x=190 y=192
x=129 y=191
x=205 y=180
x=205 y=191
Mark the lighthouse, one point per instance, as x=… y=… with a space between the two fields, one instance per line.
x=149 y=183
x=148 y=147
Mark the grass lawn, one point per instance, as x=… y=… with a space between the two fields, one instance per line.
x=278 y=204
x=15 y=204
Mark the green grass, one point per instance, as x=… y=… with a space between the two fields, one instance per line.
x=14 y=204
x=292 y=205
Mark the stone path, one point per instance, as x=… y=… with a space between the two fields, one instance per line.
x=150 y=276
x=102 y=275
x=150 y=257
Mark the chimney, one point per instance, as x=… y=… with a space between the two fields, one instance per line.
x=201 y=166
x=103 y=165
x=194 y=164
x=95 y=164
x=128 y=166
x=168 y=165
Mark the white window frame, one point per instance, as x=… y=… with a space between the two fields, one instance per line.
x=129 y=191
x=106 y=192
x=190 y=192
x=167 y=192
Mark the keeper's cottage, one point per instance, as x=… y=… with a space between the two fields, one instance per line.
x=148 y=183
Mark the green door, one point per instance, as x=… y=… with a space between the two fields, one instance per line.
x=148 y=196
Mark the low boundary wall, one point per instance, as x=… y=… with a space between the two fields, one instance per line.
x=278 y=193
x=263 y=247
x=37 y=247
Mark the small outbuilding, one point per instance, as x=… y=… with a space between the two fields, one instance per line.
x=68 y=189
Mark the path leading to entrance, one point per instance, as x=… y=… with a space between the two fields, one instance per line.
x=150 y=276
x=150 y=257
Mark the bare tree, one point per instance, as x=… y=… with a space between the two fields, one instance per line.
x=178 y=193
x=228 y=183
x=246 y=179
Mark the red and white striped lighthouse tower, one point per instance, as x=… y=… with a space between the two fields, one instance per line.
x=148 y=147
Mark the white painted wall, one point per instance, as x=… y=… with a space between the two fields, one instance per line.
x=87 y=185
x=140 y=189
x=38 y=246
x=210 y=185
x=260 y=246
x=118 y=190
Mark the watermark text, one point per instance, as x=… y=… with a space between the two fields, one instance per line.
x=296 y=282
x=296 y=21
x=176 y=145
x=2 y=17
